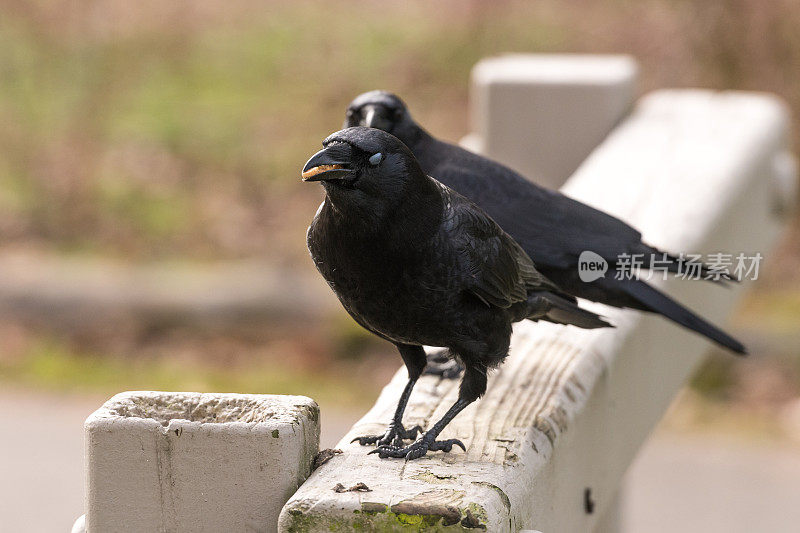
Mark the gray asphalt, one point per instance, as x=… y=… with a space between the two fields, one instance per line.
x=701 y=483
x=41 y=460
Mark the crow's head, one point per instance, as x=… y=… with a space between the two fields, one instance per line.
x=382 y=110
x=362 y=167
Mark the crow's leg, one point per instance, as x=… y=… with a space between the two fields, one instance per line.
x=415 y=360
x=397 y=432
x=473 y=385
x=441 y=363
x=428 y=440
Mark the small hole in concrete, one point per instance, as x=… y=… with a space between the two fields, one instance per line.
x=588 y=502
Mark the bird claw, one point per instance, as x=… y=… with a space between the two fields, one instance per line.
x=418 y=449
x=393 y=437
x=449 y=370
x=439 y=356
x=447 y=445
x=441 y=364
x=366 y=440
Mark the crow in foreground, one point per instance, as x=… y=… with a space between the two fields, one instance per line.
x=416 y=263
x=552 y=228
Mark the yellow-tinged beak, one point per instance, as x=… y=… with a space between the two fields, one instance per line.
x=330 y=164
x=313 y=171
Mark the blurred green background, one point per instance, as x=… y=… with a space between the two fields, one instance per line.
x=159 y=132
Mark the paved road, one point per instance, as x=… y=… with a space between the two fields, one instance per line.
x=712 y=484
x=678 y=483
x=41 y=460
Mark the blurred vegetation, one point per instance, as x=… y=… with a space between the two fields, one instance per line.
x=49 y=362
x=156 y=130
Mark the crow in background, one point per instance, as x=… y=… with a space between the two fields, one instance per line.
x=552 y=228
x=416 y=263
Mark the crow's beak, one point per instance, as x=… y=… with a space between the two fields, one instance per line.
x=375 y=116
x=330 y=164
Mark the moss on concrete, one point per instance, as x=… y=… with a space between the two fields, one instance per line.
x=375 y=516
x=429 y=477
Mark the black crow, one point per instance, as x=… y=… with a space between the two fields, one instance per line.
x=416 y=263
x=552 y=228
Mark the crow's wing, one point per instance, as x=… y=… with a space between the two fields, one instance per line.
x=554 y=229
x=491 y=265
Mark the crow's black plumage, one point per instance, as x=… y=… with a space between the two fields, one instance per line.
x=551 y=227
x=418 y=264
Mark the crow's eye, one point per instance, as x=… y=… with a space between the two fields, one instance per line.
x=375 y=159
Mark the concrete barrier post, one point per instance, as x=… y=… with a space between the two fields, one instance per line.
x=543 y=114
x=192 y=462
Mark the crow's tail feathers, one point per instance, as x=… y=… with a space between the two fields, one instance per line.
x=686 y=264
x=658 y=302
x=559 y=310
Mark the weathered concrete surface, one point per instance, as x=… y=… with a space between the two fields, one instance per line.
x=689 y=483
x=191 y=462
x=42 y=468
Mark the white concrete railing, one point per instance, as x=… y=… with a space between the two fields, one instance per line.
x=563 y=417
x=548 y=444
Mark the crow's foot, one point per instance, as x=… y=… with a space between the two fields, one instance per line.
x=393 y=437
x=418 y=449
x=441 y=364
